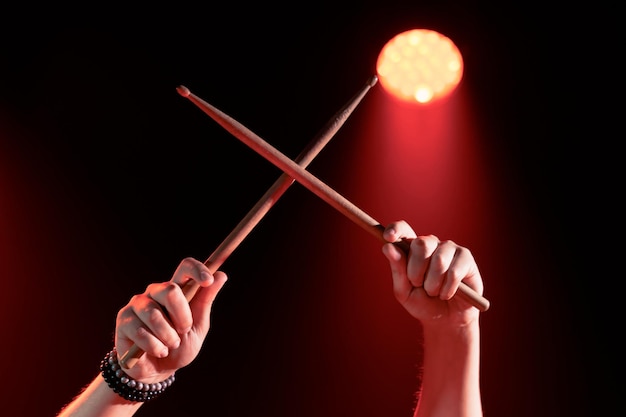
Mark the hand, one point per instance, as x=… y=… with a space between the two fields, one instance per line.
x=426 y=278
x=168 y=328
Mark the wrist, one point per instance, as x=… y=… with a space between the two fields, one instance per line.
x=464 y=333
x=127 y=387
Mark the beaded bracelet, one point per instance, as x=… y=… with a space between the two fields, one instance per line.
x=127 y=387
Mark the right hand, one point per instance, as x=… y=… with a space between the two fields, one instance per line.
x=426 y=279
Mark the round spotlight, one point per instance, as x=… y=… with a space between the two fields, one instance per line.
x=420 y=66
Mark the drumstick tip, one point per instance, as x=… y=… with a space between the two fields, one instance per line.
x=373 y=81
x=183 y=91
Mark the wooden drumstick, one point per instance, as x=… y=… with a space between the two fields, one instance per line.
x=312 y=183
x=254 y=216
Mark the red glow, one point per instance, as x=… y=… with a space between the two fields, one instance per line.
x=420 y=66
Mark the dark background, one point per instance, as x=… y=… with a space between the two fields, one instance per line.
x=108 y=178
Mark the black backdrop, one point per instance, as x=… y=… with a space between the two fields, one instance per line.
x=108 y=178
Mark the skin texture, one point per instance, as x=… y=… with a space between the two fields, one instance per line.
x=171 y=330
x=424 y=282
x=170 y=341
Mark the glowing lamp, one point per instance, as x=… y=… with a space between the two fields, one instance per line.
x=419 y=66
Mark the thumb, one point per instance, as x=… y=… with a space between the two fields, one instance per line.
x=202 y=302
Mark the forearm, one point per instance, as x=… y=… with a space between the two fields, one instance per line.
x=451 y=383
x=99 y=400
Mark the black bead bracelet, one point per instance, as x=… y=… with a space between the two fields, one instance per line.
x=127 y=387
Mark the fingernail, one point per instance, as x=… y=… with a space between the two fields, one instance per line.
x=205 y=276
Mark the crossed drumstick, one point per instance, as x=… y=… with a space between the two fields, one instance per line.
x=292 y=171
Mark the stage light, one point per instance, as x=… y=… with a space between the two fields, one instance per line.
x=420 y=66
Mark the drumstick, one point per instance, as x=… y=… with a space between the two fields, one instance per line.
x=254 y=216
x=314 y=184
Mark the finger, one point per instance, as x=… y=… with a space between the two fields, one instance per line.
x=462 y=268
x=398 y=230
x=397 y=262
x=144 y=323
x=192 y=269
x=202 y=303
x=438 y=268
x=176 y=302
x=421 y=249
x=171 y=316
